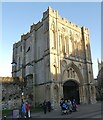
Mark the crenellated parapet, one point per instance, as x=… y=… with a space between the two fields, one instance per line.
x=25 y=36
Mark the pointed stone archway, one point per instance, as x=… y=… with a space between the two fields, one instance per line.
x=72 y=82
x=71 y=90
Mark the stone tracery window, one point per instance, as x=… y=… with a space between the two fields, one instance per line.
x=54 y=40
x=55 y=72
x=66 y=44
x=76 y=49
x=71 y=73
x=63 y=43
x=68 y=73
x=71 y=43
x=53 y=35
x=87 y=49
x=80 y=49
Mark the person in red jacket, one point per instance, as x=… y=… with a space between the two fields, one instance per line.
x=27 y=109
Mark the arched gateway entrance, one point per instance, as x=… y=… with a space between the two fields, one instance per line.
x=71 y=90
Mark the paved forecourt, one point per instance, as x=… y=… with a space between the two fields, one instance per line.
x=84 y=111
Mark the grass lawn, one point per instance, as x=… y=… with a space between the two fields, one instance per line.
x=37 y=109
x=8 y=112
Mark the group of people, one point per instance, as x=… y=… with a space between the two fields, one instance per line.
x=25 y=110
x=68 y=106
x=46 y=106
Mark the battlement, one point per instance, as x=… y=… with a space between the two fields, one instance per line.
x=67 y=22
x=55 y=14
x=36 y=26
x=86 y=30
x=25 y=36
x=17 y=44
x=48 y=12
x=32 y=27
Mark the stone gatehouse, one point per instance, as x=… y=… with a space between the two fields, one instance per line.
x=54 y=60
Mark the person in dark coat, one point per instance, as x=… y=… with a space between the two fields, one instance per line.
x=74 y=105
x=49 y=106
x=45 y=106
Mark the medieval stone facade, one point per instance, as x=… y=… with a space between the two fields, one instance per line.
x=99 y=84
x=54 y=60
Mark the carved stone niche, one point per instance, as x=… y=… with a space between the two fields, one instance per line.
x=64 y=63
x=71 y=35
x=63 y=30
x=76 y=36
x=53 y=26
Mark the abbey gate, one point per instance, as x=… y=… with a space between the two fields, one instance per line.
x=60 y=54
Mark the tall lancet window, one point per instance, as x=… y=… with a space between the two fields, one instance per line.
x=55 y=73
x=76 y=49
x=70 y=44
x=65 y=46
x=62 y=42
x=53 y=35
x=59 y=42
x=66 y=41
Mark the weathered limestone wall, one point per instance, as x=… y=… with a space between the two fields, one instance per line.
x=11 y=93
x=59 y=50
